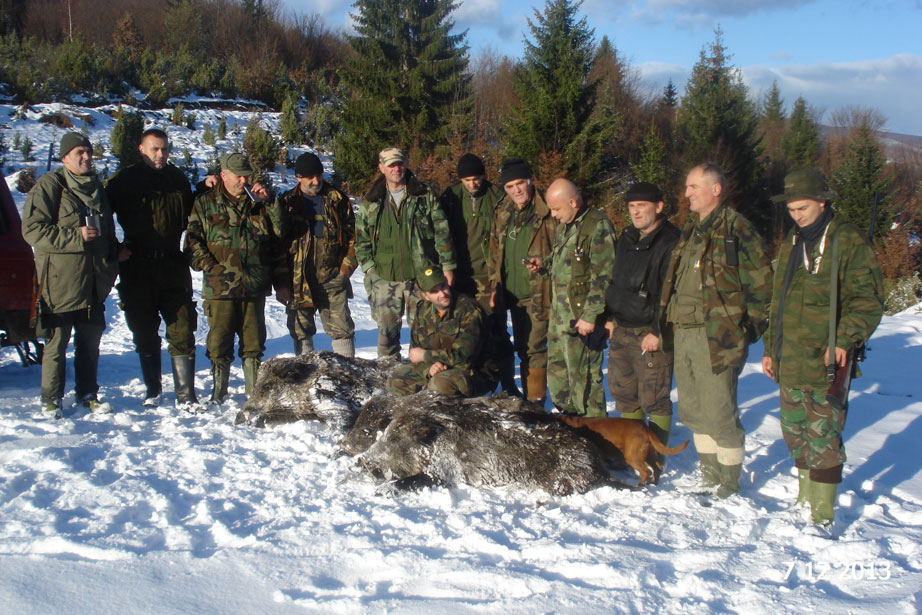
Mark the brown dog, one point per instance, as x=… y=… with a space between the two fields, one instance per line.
x=633 y=439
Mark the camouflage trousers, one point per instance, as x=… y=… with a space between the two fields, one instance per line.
x=638 y=380
x=389 y=300
x=87 y=327
x=812 y=429
x=574 y=372
x=478 y=288
x=409 y=378
x=149 y=290
x=707 y=401
x=244 y=318
x=331 y=300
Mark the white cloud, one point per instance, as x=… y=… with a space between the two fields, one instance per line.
x=696 y=13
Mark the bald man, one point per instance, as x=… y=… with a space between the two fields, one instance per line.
x=580 y=266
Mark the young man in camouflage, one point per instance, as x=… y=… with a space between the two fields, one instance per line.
x=236 y=242
x=639 y=369
x=152 y=200
x=67 y=219
x=523 y=229
x=797 y=339
x=470 y=206
x=399 y=230
x=580 y=267
x=446 y=346
x=320 y=238
x=715 y=296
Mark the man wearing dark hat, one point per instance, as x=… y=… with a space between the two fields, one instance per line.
x=523 y=229
x=819 y=249
x=68 y=221
x=400 y=231
x=446 y=343
x=320 y=242
x=639 y=369
x=152 y=200
x=236 y=242
x=470 y=206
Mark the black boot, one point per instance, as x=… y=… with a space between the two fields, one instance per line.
x=150 y=371
x=507 y=379
x=184 y=379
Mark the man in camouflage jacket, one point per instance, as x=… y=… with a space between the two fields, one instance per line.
x=236 y=242
x=320 y=238
x=580 y=266
x=797 y=339
x=67 y=219
x=715 y=296
x=446 y=345
x=152 y=200
x=400 y=231
x=523 y=229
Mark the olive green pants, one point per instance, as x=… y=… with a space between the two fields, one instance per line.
x=244 y=318
x=331 y=301
x=87 y=327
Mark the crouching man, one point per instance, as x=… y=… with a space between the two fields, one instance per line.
x=446 y=343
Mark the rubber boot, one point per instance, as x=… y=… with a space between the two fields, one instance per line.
x=729 y=480
x=184 y=379
x=151 y=372
x=537 y=384
x=220 y=373
x=661 y=425
x=636 y=415
x=344 y=347
x=804 y=485
x=710 y=470
x=507 y=379
x=822 y=502
x=250 y=371
x=304 y=346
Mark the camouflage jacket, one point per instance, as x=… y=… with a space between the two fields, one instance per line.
x=152 y=207
x=456 y=338
x=798 y=362
x=73 y=273
x=736 y=298
x=581 y=264
x=542 y=239
x=455 y=201
x=317 y=260
x=237 y=245
x=430 y=238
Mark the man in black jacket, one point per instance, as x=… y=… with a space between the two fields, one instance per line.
x=639 y=371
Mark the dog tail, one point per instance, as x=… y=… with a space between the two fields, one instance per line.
x=663 y=449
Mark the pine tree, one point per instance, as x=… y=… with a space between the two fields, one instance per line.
x=261 y=148
x=290 y=122
x=408 y=77
x=801 y=141
x=858 y=178
x=670 y=96
x=652 y=164
x=772 y=131
x=718 y=123
x=208 y=135
x=553 y=117
x=126 y=136
x=222 y=127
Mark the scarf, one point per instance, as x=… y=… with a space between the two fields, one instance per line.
x=87 y=188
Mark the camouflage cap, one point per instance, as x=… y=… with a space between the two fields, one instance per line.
x=804 y=184
x=390 y=155
x=236 y=163
x=429 y=278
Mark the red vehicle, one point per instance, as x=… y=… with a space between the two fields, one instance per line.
x=17 y=275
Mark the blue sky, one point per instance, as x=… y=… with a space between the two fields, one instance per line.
x=833 y=53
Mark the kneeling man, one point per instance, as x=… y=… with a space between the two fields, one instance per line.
x=445 y=343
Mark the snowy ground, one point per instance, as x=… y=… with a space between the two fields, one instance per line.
x=155 y=511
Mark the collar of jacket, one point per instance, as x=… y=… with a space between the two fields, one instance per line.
x=643 y=242
x=379 y=187
x=541 y=208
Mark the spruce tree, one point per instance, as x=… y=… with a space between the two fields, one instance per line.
x=261 y=148
x=552 y=119
x=670 y=96
x=801 y=141
x=652 y=164
x=772 y=130
x=408 y=76
x=290 y=122
x=718 y=123
x=126 y=136
x=858 y=178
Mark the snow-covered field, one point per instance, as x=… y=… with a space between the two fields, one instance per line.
x=156 y=511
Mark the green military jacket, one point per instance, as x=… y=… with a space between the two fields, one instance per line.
x=542 y=239
x=456 y=338
x=430 y=237
x=317 y=260
x=581 y=264
x=467 y=214
x=72 y=272
x=798 y=362
x=736 y=298
x=152 y=207
x=237 y=244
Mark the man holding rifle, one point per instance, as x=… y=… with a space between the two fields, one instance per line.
x=827 y=285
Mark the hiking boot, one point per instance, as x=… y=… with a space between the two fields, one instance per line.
x=52 y=409
x=95 y=406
